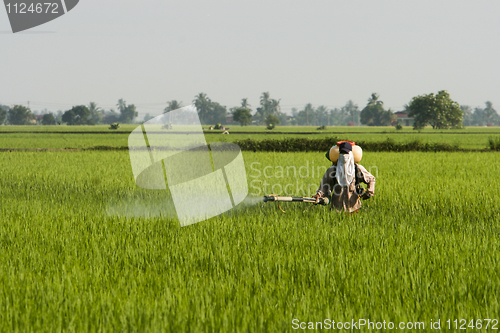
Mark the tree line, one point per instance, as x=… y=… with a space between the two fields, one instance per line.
x=78 y=115
x=437 y=110
x=487 y=116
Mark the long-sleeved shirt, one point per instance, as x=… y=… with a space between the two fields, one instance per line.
x=346 y=197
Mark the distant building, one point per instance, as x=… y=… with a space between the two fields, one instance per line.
x=403 y=118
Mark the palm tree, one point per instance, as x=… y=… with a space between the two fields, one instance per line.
x=308 y=109
x=267 y=107
x=275 y=106
x=93 y=107
x=352 y=110
x=489 y=112
x=264 y=99
x=95 y=112
x=245 y=104
x=372 y=112
x=122 y=105
x=373 y=100
x=467 y=111
x=322 y=115
x=203 y=105
x=172 y=105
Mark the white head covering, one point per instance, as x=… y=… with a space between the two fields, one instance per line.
x=345 y=169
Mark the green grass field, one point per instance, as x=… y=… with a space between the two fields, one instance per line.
x=61 y=140
x=426 y=247
x=64 y=128
x=470 y=138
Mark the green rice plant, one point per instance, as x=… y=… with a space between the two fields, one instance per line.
x=57 y=137
x=424 y=248
x=494 y=143
x=62 y=140
x=64 y=128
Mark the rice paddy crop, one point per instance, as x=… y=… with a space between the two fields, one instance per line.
x=426 y=247
x=60 y=137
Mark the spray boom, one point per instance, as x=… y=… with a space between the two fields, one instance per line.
x=322 y=201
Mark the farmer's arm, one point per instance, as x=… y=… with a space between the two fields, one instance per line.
x=367 y=178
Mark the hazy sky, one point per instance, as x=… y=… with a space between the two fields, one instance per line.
x=320 y=52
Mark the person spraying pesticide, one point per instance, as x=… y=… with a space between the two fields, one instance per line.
x=341 y=182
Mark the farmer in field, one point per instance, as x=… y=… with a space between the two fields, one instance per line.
x=342 y=180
